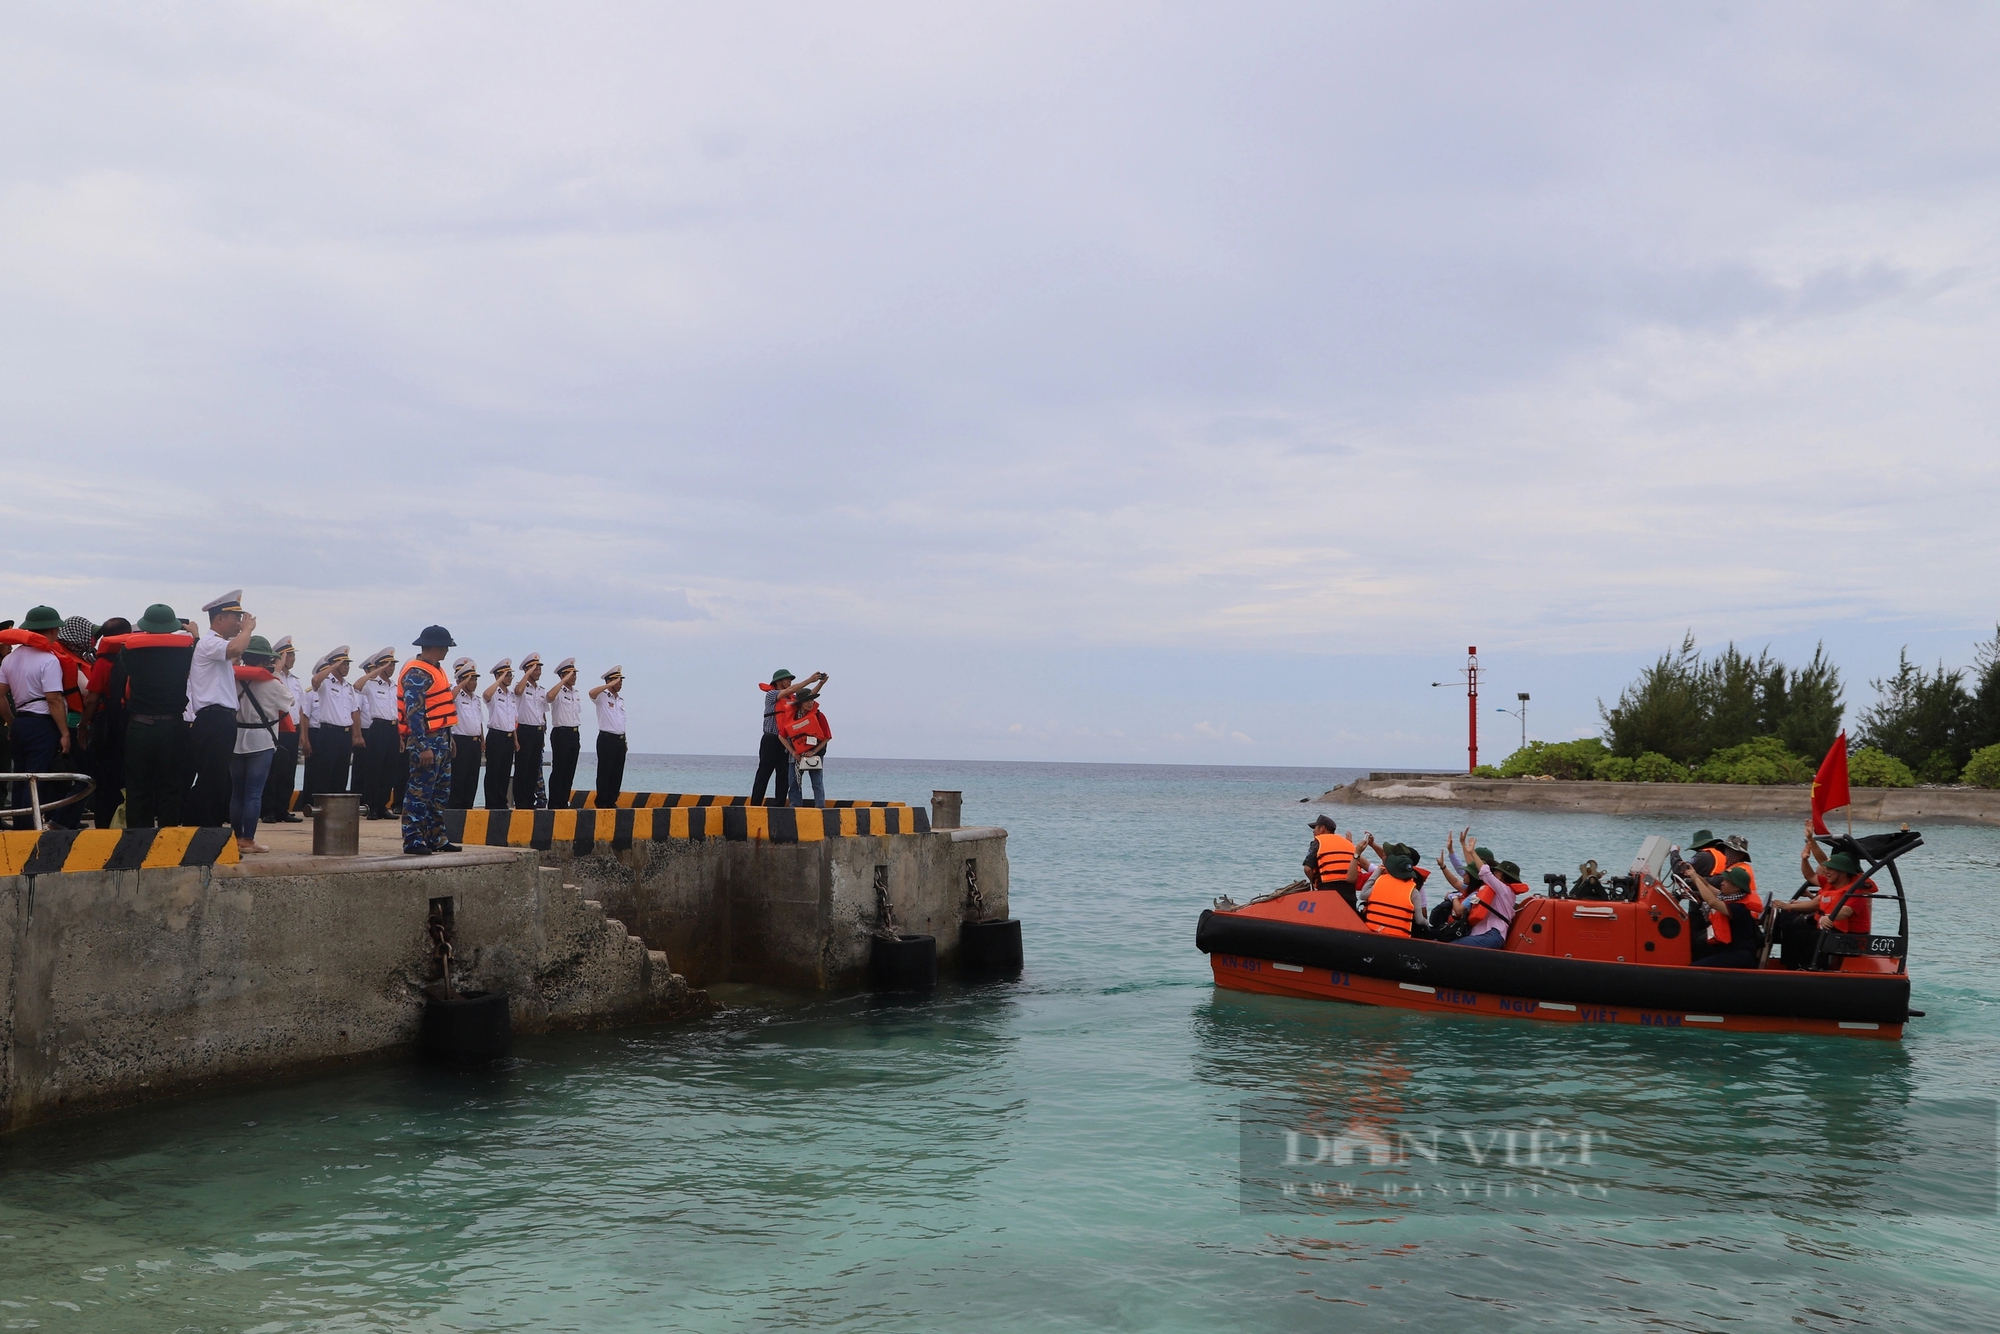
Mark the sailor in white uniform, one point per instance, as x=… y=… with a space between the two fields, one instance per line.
x=610 y=736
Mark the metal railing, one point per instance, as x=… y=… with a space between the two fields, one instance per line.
x=36 y=806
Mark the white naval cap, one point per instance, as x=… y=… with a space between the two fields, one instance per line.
x=504 y=665
x=377 y=658
x=612 y=671
x=530 y=661
x=462 y=666
x=565 y=665
x=230 y=601
x=281 y=646
x=333 y=655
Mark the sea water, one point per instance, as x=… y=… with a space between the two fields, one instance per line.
x=1056 y=1152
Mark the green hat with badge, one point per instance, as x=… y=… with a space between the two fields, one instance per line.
x=1738 y=877
x=1844 y=862
x=42 y=618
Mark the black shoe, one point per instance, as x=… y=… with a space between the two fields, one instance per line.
x=416 y=852
x=289 y=817
x=450 y=847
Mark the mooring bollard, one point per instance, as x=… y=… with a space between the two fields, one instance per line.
x=945 y=809
x=336 y=824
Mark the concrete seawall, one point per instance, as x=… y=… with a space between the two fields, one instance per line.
x=1917 y=805
x=119 y=985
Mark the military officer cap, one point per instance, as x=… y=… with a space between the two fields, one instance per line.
x=462 y=666
x=565 y=665
x=530 y=661
x=332 y=656
x=281 y=646
x=504 y=665
x=613 y=673
x=377 y=658
x=435 y=636
x=230 y=601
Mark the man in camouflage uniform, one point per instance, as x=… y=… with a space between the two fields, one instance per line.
x=424 y=695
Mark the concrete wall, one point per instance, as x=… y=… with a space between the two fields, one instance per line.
x=788 y=914
x=1876 y=805
x=120 y=985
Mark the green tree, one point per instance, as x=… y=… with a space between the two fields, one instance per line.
x=1808 y=717
x=1921 y=718
x=1983 y=721
x=1662 y=710
x=1555 y=759
x=1869 y=767
x=1735 y=693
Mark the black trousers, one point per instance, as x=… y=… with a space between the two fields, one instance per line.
x=278 y=788
x=610 y=768
x=567 y=743
x=527 y=765
x=464 y=772
x=375 y=767
x=38 y=750
x=156 y=770
x=499 y=768
x=211 y=743
x=773 y=760
x=333 y=748
x=108 y=765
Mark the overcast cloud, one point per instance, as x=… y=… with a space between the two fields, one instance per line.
x=1114 y=381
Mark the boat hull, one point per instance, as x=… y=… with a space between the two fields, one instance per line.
x=1321 y=963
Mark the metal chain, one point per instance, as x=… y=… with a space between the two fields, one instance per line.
x=885 y=911
x=975 y=902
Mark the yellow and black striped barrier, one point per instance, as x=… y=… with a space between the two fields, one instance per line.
x=628 y=801
x=583 y=830
x=45 y=853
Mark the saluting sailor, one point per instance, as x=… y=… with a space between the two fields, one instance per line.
x=336 y=732
x=565 y=733
x=501 y=716
x=467 y=730
x=610 y=737
x=284 y=779
x=212 y=706
x=374 y=779
x=529 y=732
x=426 y=709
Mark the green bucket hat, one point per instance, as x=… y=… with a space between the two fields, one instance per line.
x=1509 y=872
x=1398 y=866
x=159 y=620
x=42 y=618
x=1486 y=855
x=781 y=675
x=1844 y=862
x=1702 y=838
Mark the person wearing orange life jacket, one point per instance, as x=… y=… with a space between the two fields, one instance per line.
x=1329 y=862
x=32 y=703
x=1714 y=856
x=426 y=710
x=1735 y=936
x=1835 y=899
x=1395 y=898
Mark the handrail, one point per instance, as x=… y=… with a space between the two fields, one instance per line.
x=35 y=804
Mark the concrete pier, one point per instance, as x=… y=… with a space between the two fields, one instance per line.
x=134 y=965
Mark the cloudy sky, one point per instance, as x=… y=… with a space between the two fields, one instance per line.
x=1097 y=382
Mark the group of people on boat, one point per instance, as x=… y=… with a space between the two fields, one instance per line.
x=1729 y=913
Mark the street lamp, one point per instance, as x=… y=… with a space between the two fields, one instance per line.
x=1522 y=714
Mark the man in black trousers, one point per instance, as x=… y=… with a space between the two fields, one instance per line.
x=467 y=731
x=212 y=696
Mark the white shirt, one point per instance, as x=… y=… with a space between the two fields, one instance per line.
x=31 y=673
x=468 y=723
x=610 y=712
x=274 y=697
x=534 y=706
x=501 y=713
x=334 y=703
x=378 y=702
x=567 y=711
x=298 y=689
x=211 y=676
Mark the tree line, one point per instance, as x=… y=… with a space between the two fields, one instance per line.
x=1732 y=717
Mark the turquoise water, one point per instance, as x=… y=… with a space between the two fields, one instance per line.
x=1055 y=1153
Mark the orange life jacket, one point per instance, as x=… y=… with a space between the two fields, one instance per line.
x=1336 y=856
x=440 y=706
x=72 y=690
x=1858 y=921
x=1392 y=905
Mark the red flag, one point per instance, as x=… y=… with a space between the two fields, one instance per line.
x=1830 y=785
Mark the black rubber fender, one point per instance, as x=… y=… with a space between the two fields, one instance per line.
x=990 y=947
x=902 y=963
x=474 y=1029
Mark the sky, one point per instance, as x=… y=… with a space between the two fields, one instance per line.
x=1112 y=382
